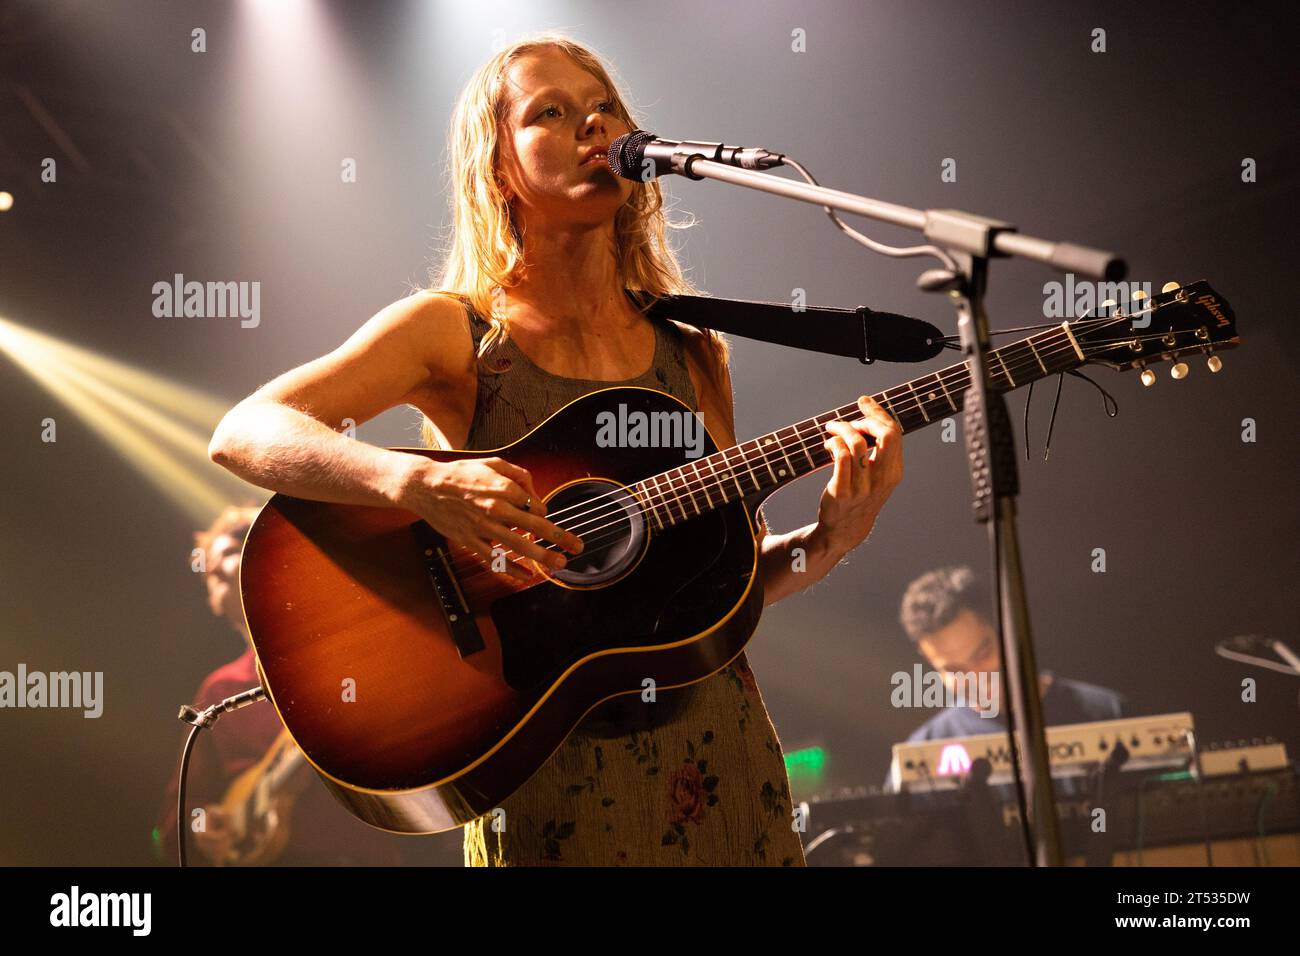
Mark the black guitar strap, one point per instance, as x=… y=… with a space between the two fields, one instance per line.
x=862 y=333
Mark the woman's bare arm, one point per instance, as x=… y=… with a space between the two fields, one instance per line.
x=286 y=436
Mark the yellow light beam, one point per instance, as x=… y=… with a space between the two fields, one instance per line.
x=197 y=407
x=190 y=480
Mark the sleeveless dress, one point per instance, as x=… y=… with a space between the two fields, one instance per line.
x=696 y=778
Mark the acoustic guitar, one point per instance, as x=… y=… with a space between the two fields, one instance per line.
x=424 y=686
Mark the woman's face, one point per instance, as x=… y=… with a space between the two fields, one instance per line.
x=556 y=112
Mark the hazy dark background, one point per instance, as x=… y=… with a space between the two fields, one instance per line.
x=225 y=166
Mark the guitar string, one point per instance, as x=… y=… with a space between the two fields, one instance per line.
x=594 y=545
x=767 y=458
x=802 y=443
x=942 y=377
x=675 y=493
x=700 y=481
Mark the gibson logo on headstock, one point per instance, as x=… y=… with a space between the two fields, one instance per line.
x=1212 y=304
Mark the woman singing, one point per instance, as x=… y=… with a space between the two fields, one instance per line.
x=542 y=298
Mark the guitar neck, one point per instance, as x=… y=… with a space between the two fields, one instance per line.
x=283 y=769
x=290 y=763
x=771 y=461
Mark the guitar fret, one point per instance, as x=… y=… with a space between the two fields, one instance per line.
x=689 y=491
x=650 y=504
x=898 y=414
x=752 y=476
x=803 y=445
x=683 y=493
x=704 y=485
x=820 y=427
x=918 y=401
x=945 y=392
x=931 y=396
x=731 y=473
x=781 y=448
x=669 y=495
x=719 y=483
x=767 y=463
x=1065 y=327
x=1030 y=343
x=1005 y=370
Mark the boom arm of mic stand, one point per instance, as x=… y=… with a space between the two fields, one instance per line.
x=944 y=227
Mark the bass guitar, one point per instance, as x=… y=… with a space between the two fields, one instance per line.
x=259 y=805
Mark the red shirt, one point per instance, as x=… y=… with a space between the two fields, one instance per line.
x=322 y=831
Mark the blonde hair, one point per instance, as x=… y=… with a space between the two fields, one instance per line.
x=486 y=252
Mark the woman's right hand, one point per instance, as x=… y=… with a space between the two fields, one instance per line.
x=476 y=502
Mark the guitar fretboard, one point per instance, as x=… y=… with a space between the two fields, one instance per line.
x=769 y=461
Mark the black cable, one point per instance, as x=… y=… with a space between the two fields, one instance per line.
x=198 y=719
x=180 y=796
x=1107 y=400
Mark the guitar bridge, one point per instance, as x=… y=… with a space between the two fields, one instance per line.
x=455 y=611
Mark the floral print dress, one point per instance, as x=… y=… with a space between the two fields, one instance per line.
x=706 y=789
x=696 y=778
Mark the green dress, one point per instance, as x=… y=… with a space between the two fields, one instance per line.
x=696 y=778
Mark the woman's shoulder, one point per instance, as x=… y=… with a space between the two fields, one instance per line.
x=439 y=331
x=446 y=302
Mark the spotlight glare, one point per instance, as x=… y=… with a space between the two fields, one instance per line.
x=134 y=412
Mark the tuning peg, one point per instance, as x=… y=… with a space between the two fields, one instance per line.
x=1148 y=377
x=1214 y=363
x=1179 y=370
x=1138 y=295
x=1170 y=287
x=1110 y=304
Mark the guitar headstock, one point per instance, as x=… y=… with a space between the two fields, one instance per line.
x=1180 y=321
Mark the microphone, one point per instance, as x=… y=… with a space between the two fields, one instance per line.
x=643 y=156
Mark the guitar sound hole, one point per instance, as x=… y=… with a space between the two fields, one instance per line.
x=609 y=520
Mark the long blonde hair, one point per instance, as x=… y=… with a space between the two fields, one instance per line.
x=485 y=252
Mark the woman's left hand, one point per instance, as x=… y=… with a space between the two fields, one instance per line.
x=864 y=476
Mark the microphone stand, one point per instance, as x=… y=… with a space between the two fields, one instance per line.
x=966 y=242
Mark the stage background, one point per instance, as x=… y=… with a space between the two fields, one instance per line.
x=225 y=165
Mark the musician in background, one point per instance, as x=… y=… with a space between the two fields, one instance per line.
x=944 y=614
x=320 y=831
